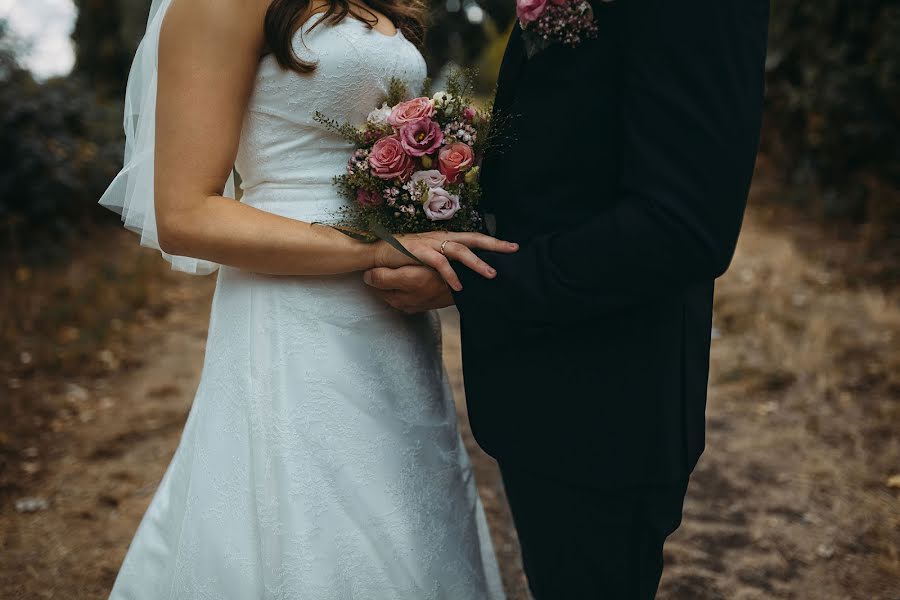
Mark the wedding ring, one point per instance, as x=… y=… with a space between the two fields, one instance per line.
x=444 y=243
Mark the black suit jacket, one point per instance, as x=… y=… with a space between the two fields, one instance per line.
x=623 y=170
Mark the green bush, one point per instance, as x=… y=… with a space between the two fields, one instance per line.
x=59 y=149
x=833 y=100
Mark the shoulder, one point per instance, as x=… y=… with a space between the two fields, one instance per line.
x=228 y=21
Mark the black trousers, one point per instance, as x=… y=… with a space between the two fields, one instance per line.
x=585 y=544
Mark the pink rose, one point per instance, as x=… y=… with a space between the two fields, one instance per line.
x=454 y=159
x=530 y=10
x=411 y=110
x=440 y=205
x=367 y=198
x=421 y=136
x=388 y=160
x=432 y=178
x=469 y=114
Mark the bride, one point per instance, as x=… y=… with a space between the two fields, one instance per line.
x=321 y=458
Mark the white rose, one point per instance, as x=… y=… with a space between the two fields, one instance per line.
x=440 y=205
x=432 y=178
x=379 y=115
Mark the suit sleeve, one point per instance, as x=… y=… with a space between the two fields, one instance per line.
x=691 y=108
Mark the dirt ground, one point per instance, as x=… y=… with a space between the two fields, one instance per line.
x=797 y=496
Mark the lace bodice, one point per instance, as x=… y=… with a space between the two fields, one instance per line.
x=281 y=145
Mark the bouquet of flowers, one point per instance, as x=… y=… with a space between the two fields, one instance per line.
x=416 y=164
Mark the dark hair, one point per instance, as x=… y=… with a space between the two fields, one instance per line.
x=285 y=17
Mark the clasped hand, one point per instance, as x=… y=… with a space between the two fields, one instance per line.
x=415 y=287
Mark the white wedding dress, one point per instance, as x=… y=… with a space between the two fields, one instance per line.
x=321 y=459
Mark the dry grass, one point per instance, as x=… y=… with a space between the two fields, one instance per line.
x=794 y=498
x=66 y=324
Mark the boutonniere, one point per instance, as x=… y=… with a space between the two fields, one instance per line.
x=547 y=22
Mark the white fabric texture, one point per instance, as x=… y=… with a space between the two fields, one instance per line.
x=321 y=458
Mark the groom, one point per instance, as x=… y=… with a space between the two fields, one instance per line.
x=623 y=171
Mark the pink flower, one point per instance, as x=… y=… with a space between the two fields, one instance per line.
x=388 y=160
x=469 y=114
x=367 y=198
x=411 y=110
x=431 y=178
x=530 y=10
x=454 y=159
x=421 y=136
x=440 y=205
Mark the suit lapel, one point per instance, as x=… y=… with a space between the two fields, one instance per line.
x=513 y=59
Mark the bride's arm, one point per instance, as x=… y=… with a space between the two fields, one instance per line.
x=208 y=56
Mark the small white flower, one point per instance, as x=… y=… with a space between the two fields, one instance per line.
x=379 y=115
x=442 y=98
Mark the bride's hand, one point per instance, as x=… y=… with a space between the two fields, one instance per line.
x=437 y=248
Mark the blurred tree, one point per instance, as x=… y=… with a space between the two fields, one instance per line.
x=10 y=48
x=461 y=30
x=502 y=11
x=834 y=100
x=106 y=36
x=59 y=148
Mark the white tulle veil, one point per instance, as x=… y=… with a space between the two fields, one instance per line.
x=131 y=192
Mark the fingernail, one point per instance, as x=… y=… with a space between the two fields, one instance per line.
x=367 y=279
x=492 y=271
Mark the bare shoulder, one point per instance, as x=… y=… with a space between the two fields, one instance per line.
x=239 y=22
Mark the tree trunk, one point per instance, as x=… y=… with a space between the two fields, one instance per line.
x=106 y=36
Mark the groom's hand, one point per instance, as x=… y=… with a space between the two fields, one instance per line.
x=410 y=289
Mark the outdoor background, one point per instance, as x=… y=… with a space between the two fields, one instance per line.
x=798 y=495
